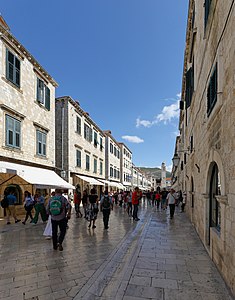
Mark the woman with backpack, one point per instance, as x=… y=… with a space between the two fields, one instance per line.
x=106 y=204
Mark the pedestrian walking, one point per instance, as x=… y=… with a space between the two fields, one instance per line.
x=136 y=196
x=84 y=201
x=39 y=208
x=129 y=204
x=28 y=206
x=158 y=199
x=77 y=201
x=183 y=203
x=60 y=210
x=10 y=209
x=163 y=198
x=106 y=205
x=92 y=208
x=171 y=200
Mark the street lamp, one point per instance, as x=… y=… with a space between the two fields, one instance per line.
x=176 y=160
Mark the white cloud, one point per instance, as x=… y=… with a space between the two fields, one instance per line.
x=144 y=123
x=132 y=139
x=167 y=114
x=169 y=168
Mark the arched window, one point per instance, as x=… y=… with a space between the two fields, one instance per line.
x=215 y=215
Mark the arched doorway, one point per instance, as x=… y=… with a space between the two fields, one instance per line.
x=17 y=192
x=214 y=205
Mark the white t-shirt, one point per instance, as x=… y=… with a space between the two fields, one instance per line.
x=171 y=198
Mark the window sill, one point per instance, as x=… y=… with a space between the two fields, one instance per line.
x=13 y=149
x=41 y=105
x=12 y=84
x=41 y=157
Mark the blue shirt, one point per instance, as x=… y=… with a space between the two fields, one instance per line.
x=11 y=199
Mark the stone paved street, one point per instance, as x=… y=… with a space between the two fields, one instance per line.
x=155 y=258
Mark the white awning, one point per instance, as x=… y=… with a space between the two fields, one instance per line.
x=104 y=181
x=90 y=180
x=116 y=184
x=127 y=183
x=39 y=177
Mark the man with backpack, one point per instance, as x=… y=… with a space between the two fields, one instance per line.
x=60 y=209
x=106 y=205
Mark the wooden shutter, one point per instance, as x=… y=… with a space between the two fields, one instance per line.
x=47 y=98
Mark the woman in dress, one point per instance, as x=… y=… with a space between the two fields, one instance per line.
x=92 y=208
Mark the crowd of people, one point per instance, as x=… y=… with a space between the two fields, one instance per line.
x=56 y=208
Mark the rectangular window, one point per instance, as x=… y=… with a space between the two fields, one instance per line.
x=115 y=151
x=12 y=68
x=43 y=94
x=111 y=171
x=78 y=158
x=207 y=5
x=41 y=143
x=189 y=86
x=111 y=148
x=101 y=144
x=87 y=133
x=13 y=132
x=115 y=173
x=78 y=125
x=101 y=168
x=118 y=154
x=212 y=92
x=95 y=165
x=95 y=139
x=87 y=162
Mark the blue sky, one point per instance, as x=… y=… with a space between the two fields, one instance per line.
x=122 y=59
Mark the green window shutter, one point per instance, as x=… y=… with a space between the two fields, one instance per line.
x=48 y=98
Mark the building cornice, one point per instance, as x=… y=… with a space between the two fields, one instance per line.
x=80 y=111
x=13 y=43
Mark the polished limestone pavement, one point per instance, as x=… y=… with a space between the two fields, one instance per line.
x=154 y=258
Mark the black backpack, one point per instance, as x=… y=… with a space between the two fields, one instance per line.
x=4 y=203
x=106 y=202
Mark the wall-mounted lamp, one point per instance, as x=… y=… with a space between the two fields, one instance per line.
x=176 y=158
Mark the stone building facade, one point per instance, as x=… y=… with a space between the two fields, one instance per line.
x=27 y=113
x=80 y=145
x=126 y=166
x=206 y=145
x=112 y=161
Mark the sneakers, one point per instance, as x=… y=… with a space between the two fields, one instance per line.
x=23 y=222
x=93 y=226
x=16 y=221
x=8 y=223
